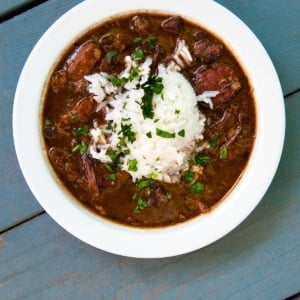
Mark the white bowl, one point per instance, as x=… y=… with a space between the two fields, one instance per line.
x=162 y=242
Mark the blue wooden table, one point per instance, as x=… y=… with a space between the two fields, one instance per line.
x=260 y=259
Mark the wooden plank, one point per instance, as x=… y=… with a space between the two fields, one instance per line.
x=258 y=260
x=16 y=42
x=10 y=8
x=277 y=25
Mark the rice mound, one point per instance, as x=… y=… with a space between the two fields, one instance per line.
x=175 y=111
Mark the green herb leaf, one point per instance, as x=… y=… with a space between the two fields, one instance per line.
x=111 y=177
x=111 y=54
x=138 y=54
x=137 y=40
x=201 y=159
x=127 y=132
x=114 y=154
x=47 y=122
x=177 y=111
x=152 y=86
x=133 y=73
x=165 y=134
x=213 y=144
x=144 y=183
x=118 y=81
x=81 y=131
x=132 y=165
x=223 y=152
x=141 y=204
x=181 y=133
x=149 y=134
x=83 y=147
x=188 y=176
x=198 y=187
x=151 y=40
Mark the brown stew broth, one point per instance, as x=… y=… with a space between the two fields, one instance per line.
x=229 y=132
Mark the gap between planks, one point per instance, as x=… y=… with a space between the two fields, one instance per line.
x=19 y=10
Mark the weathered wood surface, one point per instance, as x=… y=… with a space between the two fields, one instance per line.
x=259 y=260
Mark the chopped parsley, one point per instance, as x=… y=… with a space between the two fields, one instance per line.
x=223 y=152
x=127 y=132
x=152 y=86
x=118 y=81
x=197 y=187
x=137 y=40
x=165 y=134
x=138 y=54
x=111 y=177
x=47 y=122
x=149 y=134
x=188 y=176
x=132 y=165
x=82 y=147
x=144 y=183
x=111 y=54
x=201 y=159
x=151 y=40
x=141 y=204
x=81 y=131
x=181 y=133
x=213 y=144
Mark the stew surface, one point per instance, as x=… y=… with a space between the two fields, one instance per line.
x=79 y=124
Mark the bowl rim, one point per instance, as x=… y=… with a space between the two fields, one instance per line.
x=156 y=242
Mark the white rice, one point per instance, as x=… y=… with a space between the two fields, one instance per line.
x=175 y=110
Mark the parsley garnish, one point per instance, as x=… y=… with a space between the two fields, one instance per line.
x=223 y=152
x=141 y=204
x=188 y=176
x=132 y=165
x=138 y=54
x=198 y=187
x=181 y=133
x=152 y=86
x=137 y=40
x=165 y=134
x=201 y=159
x=47 y=122
x=127 y=132
x=81 y=131
x=151 y=39
x=111 y=54
x=82 y=148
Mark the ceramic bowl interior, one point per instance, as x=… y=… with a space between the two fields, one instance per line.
x=168 y=241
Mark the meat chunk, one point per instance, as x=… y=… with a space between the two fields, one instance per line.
x=140 y=24
x=79 y=112
x=172 y=24
x=112 y=41
x=58 y=80
x=82 y=61
x=217 y=77
x=207 y=50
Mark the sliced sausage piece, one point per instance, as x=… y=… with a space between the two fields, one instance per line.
x=207 y=50
x=141 y=24
x=82 y=61
x=80 y=111
x=172 y=24
x=217 y=77
x=89 y=174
